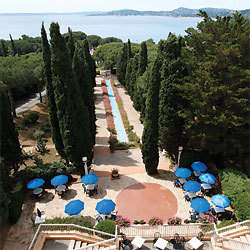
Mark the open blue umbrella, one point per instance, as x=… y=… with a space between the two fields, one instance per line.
x=105 y=206
x=35 y=183
x=200 y=205
x=74 y=207
x=59 y=180
x=220 y=200
x=192 y=186
x=89 y=179
x=182 y=172
x=199 y=166
x=207 y=178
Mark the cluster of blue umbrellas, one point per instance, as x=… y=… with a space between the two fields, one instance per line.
x=102 y=207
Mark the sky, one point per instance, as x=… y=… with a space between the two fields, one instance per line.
x=33 y=6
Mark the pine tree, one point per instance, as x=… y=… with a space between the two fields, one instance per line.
x=72 y=113
x=56 y=135
x=85 y=85
x=170 y=102
x=90 y=63
x=70 y=43
x=13 y=46
x=150 y=152
x=3 y=48
x=143 y=59
x=9 y=143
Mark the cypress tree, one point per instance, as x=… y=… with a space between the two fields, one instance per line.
x=84 y=82
x=3 y=48
x=70 y=43
x=122 y=64
x=128 y=74
x=72 y=113
x=129 y=50
x=150 y=152
x=143 y=59
x=90 y=63
x=13 y=46
x=133 y=76
x=170 y=104
x=56 y=135
x=9 y=143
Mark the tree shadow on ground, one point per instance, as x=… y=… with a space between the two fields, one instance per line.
x=121 y=158
x=164 y=175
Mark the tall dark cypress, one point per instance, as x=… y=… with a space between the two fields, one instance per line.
x=85 y=84
x=171 y=103
x=3 y=48
x=72 y=113
x=122 y=64
x=13 y=46
x=70 y=43
x=143 y=59
x=129 y=50
x=150 y=152
x=56 y=135
x=9 y=143
x=90 y=63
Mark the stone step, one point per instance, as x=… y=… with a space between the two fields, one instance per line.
x=234 y=245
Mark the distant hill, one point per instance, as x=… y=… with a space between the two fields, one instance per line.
x=180 y=12
x=246 y=13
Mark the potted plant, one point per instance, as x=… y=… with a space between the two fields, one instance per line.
x=155 y=221
x=115 y=173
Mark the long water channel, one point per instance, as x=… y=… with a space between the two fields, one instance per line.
x=121 y=133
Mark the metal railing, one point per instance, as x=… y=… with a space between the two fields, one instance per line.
x=70 y=227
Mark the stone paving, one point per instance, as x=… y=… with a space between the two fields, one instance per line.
x=131 y=169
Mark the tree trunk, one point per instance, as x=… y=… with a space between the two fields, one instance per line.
x=12 y=103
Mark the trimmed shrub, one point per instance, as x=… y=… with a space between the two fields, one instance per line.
x=107 y=226
x=236 y=186
x=225 y=223
x=38 y=134
x=174 y=221
x=31 y=118
x=17 y=196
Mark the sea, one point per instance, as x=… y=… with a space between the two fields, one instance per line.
x=135 y=28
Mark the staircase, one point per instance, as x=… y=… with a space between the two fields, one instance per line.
x=234 y=237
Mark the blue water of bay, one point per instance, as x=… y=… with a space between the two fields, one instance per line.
x=135 y=28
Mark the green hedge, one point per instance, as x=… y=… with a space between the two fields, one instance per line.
x=82 y=221
x=107 y=226
x=45 y=171
x=236 y=186
x=17 y=196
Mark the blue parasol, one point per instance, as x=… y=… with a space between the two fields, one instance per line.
x=220 y=200
x=192 y=186
x=105 y=206
x=199 y=166
x=59 y=180
x=74 y=207
x=182 y=172
x=35 y=183
x=207 y=178
x=200 y=205
x=89 y=179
